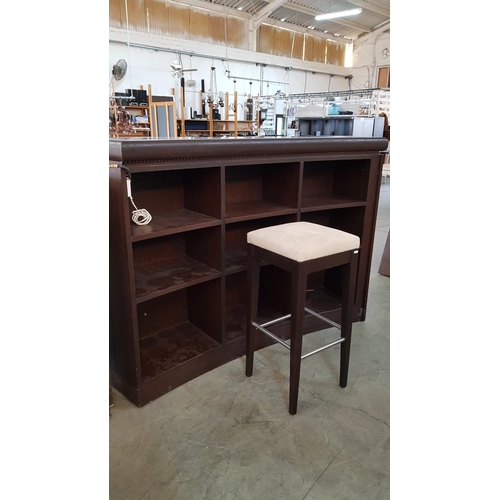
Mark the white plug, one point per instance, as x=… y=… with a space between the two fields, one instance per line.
x=129 y=187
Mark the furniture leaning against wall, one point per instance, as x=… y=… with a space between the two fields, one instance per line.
x=178 y=284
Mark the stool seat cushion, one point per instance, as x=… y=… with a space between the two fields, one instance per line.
x=303 y=241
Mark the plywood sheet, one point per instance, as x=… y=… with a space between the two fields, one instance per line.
x=178 y=21
x=237 y=33
x=282 y=43
x=309 y=48
x=117 y=14
x=199 y=26
x=265 y=39
x=217 y=28
x=335 y=53
x=156 y=17
x=319 y=50
x=297 y=45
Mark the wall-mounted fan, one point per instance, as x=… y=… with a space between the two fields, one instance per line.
x=119 y=69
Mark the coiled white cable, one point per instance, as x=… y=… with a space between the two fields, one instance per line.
x=140 y=215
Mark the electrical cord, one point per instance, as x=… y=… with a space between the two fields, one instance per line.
x=140 y=215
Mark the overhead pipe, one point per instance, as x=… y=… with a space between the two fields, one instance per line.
x=192 y=53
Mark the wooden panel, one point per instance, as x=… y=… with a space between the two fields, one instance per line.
x=162 y=313
x=335 y=53
x=281 y=184
x=136 y=16
x=384 y=79
x=117 y=14
x=243 y=184
x=158 y=192
x=151 y=16
x=197 y=183
x=178 y=21
x=282 y=43
x=216 y=28
x=157 y=17
x=297 y=45
x=237 y=33
x=265 y=39
x=309 y=48
x=319 y=49
x=123 y=347
x=200 y=25
x=171 y=348
x=207 y=314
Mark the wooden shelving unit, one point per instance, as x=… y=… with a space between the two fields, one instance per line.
x=139 y=128
x=160 y=118
x=230 y=126
x=178 y=285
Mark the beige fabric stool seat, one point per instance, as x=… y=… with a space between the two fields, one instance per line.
x=303 y=241
x=301 y=248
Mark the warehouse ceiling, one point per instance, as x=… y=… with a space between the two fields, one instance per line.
x=374 y=18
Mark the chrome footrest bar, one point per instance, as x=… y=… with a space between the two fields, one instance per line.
x=284 y=344
x=267 y=332
x=277 y=320
x=326 y=320
x=322 y=348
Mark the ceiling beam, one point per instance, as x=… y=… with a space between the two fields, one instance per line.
x=264 y=13
x=299 y=8
x=358 y=3
x=300 y=29
x=371 y=8
x=370 y=36
x=313 y=12
x=211 y=7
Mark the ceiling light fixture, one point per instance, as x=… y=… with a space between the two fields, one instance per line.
x=341 y=13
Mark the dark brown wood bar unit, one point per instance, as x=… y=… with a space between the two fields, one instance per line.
x=178 y=284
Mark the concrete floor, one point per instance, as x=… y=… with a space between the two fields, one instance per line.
x=226 y=436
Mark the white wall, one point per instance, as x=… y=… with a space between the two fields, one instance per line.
x=368 y=57
x=147 y=66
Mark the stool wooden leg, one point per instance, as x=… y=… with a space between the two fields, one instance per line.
x=253 y=272
x=299 y=282
x=349 y=272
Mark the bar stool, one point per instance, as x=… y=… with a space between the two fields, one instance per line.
x=301 y=248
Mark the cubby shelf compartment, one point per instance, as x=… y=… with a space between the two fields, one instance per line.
x=241 y=211
x=326 y=202
x=260 y=191
x=334 y=184
x=178 y=327
x=171 y=222
x=169 y=275
x=349 y=219
x=236 y=240
x=177 y=201
x=163 y=265
x=172 y=347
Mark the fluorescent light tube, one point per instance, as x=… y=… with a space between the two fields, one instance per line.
x=342 y=13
